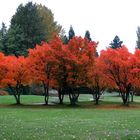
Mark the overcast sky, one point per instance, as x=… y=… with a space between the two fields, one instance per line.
x=103 y=18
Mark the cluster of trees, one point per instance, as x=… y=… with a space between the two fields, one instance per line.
x=30 y=25
x=66 y=63
x=53 y=64
x=67 y=67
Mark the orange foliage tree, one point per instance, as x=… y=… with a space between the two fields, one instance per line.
x=42 y=67
x=16 y=75
x=136 y=70
x=61 y=54
x=74 y=61
x=82 y=54
x=98 y=80
x=118 y=66
x=67 y=67
x=3 y=69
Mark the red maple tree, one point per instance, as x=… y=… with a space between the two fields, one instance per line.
x=16 y=75
x=98 y=80
x=118 y=65
x=41 y=62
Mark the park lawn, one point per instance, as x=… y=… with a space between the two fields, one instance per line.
x=68 y=123
x=85 y=121
x=107 y=98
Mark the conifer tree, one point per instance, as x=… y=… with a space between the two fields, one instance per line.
x=116 y=43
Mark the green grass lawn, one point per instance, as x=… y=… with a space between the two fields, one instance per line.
x=86 y=121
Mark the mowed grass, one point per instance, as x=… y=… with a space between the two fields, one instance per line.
x=85 y=121
x=107 y=98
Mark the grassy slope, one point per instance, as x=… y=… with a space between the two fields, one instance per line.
x=65 y=122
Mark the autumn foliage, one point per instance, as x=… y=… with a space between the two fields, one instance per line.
x=66 y=67
x=118 y=67
x=14 y=74
x=98 y=79
x=62 y=66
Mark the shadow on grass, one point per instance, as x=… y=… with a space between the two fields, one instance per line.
x=79 y=105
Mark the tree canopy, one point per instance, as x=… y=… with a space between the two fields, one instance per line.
x=30 y=25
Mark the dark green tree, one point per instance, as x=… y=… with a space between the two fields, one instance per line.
x=28 y=18
x=87 y=35
x=116 y=43
x=3 y=38
x=138 y=37
x=35 y=24
x=65 y=39
x=71 y=33
x=16 y=39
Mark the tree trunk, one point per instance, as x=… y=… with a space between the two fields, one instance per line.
x=73 y=98
x=132 y=96
x=46 y=92
x=18 y=100
x=96 y=94
x=61 y=96
x=16 y=93
x=97 y=99
x=125 y=98
x=77 y=97
x=46 y=96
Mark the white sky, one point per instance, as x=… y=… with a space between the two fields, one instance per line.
x=103 y=18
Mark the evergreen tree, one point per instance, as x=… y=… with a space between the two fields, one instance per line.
x=27 y=18
x=87 y=35
x=35 y=24
x=65 y=39
x=3 y=38
x=16 y=39
x=71 y=33
x=116 y=43
x=138 y=36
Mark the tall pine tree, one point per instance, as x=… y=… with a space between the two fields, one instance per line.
x=87 y=35
x=3 y=38
x=116 y=43
x=138 y=37
x=71 y=33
